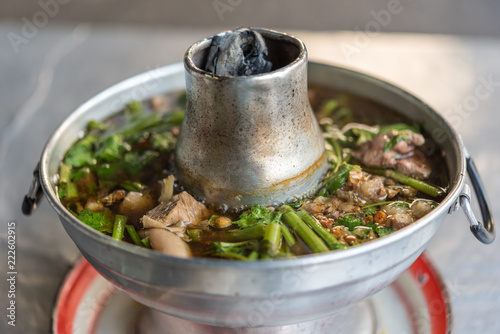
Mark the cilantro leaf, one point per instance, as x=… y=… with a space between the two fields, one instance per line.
x=336 y=180
x=134 y=162
x=81 y=154
x=258 y=215
x=163 y=141
x=100 y=221
x=235 y=250
x=350 y=222
x=133 y=110
x=381 y=231
x=111 y=148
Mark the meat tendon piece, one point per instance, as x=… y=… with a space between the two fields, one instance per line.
x=183 y=209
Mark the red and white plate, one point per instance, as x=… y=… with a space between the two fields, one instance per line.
x=417 y=302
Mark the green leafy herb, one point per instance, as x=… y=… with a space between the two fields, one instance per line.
x=140 y=123
x=112 y=148
x=163 y=141
x=132 y=185
x=329 y=107
x=100 y=221
x=79 y=173
x=107 y=171
x=61 y=191
x=342 y=116
x=133 y=110
x=175 y=118
x=133 y=162
x=415 y=127
x=336 y=180
x=81 y=154
x=258 y=215
x=381 y=231
x=96 y=126
x=350 y=222
x=358 y=136
x=234 y=250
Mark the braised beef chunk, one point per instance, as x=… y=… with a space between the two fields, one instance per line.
x=397 y=150
x=182 y=208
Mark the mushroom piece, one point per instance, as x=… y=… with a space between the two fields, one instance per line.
x=168 y=243
x=167 y=189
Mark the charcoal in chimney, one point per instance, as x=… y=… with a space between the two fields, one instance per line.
x=238 y=53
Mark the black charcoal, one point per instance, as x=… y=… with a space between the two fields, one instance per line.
x=241 y=52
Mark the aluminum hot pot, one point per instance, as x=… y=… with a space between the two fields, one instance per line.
x=263 y=293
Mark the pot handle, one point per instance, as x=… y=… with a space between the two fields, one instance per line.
x=34 y=194
x=484 y=232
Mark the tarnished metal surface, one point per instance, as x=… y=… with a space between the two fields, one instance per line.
x=250 y=140
x=226 y=293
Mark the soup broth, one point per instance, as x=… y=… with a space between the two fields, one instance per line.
x=119 y=178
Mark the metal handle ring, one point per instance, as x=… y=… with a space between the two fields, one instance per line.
x=35 y=192
x=484 y=232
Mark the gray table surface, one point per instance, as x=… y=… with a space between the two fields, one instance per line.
x=44 y=78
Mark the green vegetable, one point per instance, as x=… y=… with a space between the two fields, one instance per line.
x=79 y=173
x=327 y=237
x=358 y=136
x=119 y=227
x=163 y=141
x=64 y=173
x=287 y=235
x=132 y=186
x=71 y=190
x=258 y=215
x=395 y=203
x=195 y=234
x=337 y=154
x=111 y=148
x=272 y=241
x=350 y=222
x=253 y=232
x=134 y=162
x=100 y=221
x=329 y=107
x=409 y=181
x=133 y=235
x=145 y=242
x=244 y=250
x=133 y=110
x=336 y=180
x=107 y=171
x=96 y=126
x=175 y=118
x=61 y=191
x=304 y=232
x=81 y=154
x=139 y=124
x=342 y=116
x=415 y=127
x=381 y=231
